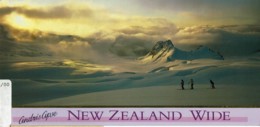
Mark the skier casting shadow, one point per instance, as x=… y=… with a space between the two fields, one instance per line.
x=182 y=84
x=191 y=84
x=212 y=84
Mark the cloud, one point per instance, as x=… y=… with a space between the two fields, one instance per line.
x=137 y=40
x=80 y=20
x=50 y=13
x=53 y=12
x=6 y=43
x=233 y=40
x=6 y=10
x=193 y=12
x=133 y=41
x=4 y=34
x=131 y=46
x=71 y=49
x=200 y=5
x=230 y=40
x=169 y=29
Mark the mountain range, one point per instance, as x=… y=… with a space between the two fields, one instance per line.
x=165 y=51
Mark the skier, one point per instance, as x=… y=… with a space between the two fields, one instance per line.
x=212 y=84
x=182 y=84
x=191 y=84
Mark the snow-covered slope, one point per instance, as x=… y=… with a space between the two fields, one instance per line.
x=165 y=51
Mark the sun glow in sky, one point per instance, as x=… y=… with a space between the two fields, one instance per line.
x=20 y=21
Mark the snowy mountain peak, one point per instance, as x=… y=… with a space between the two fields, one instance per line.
x=161 y=45
x=164 y=51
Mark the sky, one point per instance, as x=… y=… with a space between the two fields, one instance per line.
x=228 y=25
x=97 y=15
